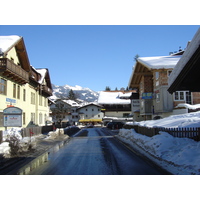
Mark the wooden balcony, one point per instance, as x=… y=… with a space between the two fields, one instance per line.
x=47 y=90
x=117 y=108
x=12 y=71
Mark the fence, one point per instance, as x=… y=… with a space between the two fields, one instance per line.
x=31 y=131
x=193 y=133
x=1 y=137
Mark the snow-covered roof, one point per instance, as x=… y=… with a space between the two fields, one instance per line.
x=125 y=95
x=90 y=104
x=190 y=50
x=159 y=62
x=42 y=72
x=112 y=98
x=71 y=102
x=6 y=42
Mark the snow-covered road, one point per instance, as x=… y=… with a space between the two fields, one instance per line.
x=96 y=152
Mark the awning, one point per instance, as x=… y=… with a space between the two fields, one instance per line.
x=90 y=120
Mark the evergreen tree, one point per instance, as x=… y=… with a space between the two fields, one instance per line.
x=107 y=88
x=71 y=95
x=136 y=57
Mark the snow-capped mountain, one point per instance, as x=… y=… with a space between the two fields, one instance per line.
x=83 y=94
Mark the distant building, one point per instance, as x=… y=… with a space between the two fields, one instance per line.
x=116 y=104
x=64 y=112
x=90 y=113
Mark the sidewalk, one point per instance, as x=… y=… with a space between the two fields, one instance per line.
x=14 y=166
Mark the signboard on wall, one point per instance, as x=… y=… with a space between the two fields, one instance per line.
x=147 y=95
x=12 y=117
x=12 y=120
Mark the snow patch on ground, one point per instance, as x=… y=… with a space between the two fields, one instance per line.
x=174 y=121
x=176 y=155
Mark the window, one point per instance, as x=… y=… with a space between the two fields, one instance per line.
x=40 y=118
x=3 y=86
x=158 y=97
x=18 y=92
x=14 y=90
x=24 y=118
x=157 y=78
x=169 y=72
x=86 y=109
x=32 y=98
x=33 y=118
x=126 y=115
x=40 y=100
x=183 y=96
x=157 y=75
x=179 y=96
x=45 y=102
x=24 y=94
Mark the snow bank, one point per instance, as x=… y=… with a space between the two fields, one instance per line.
x=4 y=148
x=54 y=134
x=14 y=134
x=174 y=121
x=185 y=105
x=176 y=155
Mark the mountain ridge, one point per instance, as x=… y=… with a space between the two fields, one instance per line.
x=83 y=94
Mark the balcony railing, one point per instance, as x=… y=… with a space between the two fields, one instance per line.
x=47 y=90
x=116 y=108
x=9 y=69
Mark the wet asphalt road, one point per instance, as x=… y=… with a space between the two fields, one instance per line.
x=95 y=151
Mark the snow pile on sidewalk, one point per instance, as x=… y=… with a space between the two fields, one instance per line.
x=176 y=155
x=174 y=121
x=14 y=135
x=53 y=134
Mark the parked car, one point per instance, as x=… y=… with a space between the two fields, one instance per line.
x=115 y=125
x=90 y=126
x=71 y=130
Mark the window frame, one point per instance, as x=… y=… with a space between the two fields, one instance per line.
x=3 y=86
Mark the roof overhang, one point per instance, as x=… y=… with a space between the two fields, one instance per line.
x=185 y=75
x=139 y=71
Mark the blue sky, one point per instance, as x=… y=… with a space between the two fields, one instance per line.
x=96 y=56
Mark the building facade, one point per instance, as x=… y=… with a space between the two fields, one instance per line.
x=21 y=85
x=116 y=105
x=64 y=112
x=150 y=78
x=90 y=113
